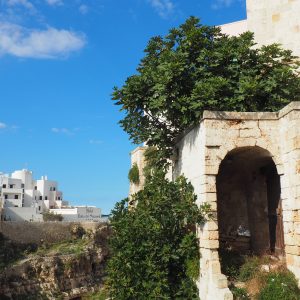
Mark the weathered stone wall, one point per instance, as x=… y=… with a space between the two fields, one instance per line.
x=275 y=21
x=35 y=232
x=137 y=157
x=201 y=152
x=265 y=140
x=290 y=184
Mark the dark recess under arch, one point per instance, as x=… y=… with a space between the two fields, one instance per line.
x=249 y=206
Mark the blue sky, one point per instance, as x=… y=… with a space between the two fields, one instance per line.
x=59 y=60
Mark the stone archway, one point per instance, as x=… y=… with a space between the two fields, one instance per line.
x=248 y=202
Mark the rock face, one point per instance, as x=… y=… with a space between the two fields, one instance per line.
x=54 y=275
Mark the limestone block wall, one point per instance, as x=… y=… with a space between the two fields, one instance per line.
x=275 y=21
x=255 y=140
x=194 y=162
x=201 y=152
x=290 y=184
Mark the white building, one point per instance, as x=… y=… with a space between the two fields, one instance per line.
x=24 y=199
x=79 y=213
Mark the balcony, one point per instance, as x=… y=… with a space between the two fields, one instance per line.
x=12 y=191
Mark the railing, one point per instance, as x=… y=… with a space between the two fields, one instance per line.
x=12 y=191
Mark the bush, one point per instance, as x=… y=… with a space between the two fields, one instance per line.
x=49 y=216
x=134 y=174
x=240 y=294
x=100 y=295
x=280 y=286
x=155 y=252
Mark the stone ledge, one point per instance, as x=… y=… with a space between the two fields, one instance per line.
x=240 y=116
x=138 y=149
x=233 y=115
x=290 y=107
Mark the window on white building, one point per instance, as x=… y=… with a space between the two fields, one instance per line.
x=41 y=197
x=46 y=197
x=16 y=196
x=11 y=186
x=5 y=196
x=4 y=186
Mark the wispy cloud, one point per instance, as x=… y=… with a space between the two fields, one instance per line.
x=54 y=2
x=83 y=9
x=65 y=131
x=218 y=4
x=164 y=8
x=34 y=43
x=95 y=142
x=7 y=127
x=25 y=3
x=3 y=125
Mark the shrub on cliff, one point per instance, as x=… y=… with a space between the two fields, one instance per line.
x=49 y=217
x=155 y=253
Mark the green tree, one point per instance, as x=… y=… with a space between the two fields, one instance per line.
x=49 y=217
x=134 y=174
x=155 y=252
x=195 y=68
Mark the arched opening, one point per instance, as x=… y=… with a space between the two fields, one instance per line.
x=249 y=206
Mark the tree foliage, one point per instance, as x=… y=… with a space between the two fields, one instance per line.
x=196 y=68
x=155 y=253
x=49 y=216
x=134 y=174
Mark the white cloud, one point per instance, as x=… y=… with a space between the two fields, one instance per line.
x=25 y=3
x=163 y=7
x=54 y=2
x=95 y=142
x=83 y=9
x=223 y=3
x=34 y=43
x=65 y=131
x=8 y=127
x=2 y=125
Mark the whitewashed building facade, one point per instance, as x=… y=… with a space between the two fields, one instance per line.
x=24 y=199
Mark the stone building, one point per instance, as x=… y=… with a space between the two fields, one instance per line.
x=246 y=165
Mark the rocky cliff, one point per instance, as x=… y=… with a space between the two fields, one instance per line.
x=63 y=270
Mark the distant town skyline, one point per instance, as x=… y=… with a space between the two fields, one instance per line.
x=59 y=61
